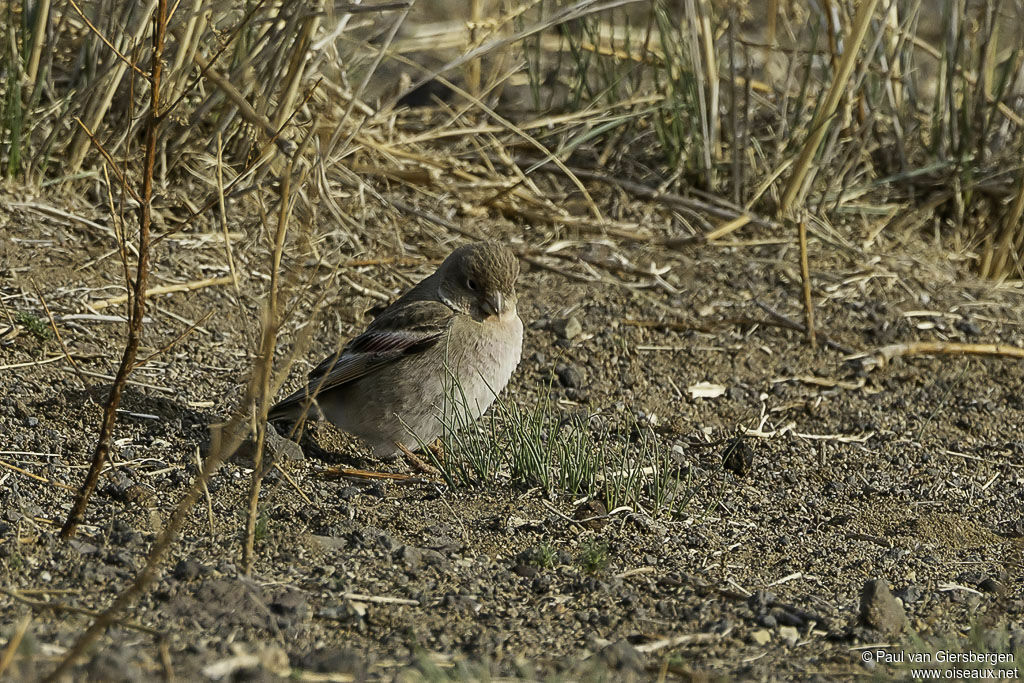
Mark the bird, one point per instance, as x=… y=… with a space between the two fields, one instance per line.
x=435 y=359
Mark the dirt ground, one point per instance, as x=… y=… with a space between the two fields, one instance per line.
x=912 y=473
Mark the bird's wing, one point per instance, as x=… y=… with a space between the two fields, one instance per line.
x=398 y=332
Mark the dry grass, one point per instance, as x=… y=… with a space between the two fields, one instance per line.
x=906 y=111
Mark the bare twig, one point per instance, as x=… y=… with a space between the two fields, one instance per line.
x=880 y=356
x=263 y=394
x=206 y=493
x=138 y=308
x=12 y=645
x=222 y=213
x=805 y=275
x=34 y=476
x=166 y=289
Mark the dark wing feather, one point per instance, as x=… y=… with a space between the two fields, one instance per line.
x=398 y=332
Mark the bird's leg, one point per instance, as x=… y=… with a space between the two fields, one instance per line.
x=417 y=462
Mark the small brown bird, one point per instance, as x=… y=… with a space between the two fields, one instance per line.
x=436 y=357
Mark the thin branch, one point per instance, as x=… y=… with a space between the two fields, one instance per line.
x=138 y=304
x=805 y=275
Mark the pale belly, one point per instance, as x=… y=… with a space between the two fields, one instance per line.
x=447 y=386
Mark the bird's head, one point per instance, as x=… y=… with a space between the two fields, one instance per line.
x=480 y=280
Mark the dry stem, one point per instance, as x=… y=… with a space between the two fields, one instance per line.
x=805 y=275
x=138 y=304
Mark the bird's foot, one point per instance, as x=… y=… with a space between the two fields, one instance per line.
x=417 y=463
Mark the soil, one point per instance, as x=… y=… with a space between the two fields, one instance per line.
x=911 y=473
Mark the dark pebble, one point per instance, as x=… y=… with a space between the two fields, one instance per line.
x=990 y=585
x=188 y=569
x=526 y=570
x=738 y=457
x=569 y=376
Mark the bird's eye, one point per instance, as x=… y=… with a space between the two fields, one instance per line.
x=471 y=285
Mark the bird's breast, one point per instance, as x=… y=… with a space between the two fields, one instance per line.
x=491 y=353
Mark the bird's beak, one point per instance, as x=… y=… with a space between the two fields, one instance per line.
x=494 y=304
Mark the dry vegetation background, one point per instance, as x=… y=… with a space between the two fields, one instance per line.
x=334 y=137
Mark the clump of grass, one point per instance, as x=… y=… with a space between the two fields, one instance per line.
x=616 y=59
x=542 y=555
x=535 y=446
x=34 y=325
x=15 y=561
x=593 y=556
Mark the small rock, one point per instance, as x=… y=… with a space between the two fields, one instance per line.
x=84 y=548
x=569 y=375
x=542 y=583
x=410 y=557
x=588 y=511
x=761 y=636
x=187 y=569
x=432 y=558
x=526 y=570
x=276 y=448
x=280 y=449
x=789 y=634
x=990 y=585
x=879 y=609
x=567 y=328
x=540 y=324
x=738 y=457
x=331 y=542
x=373 y=537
